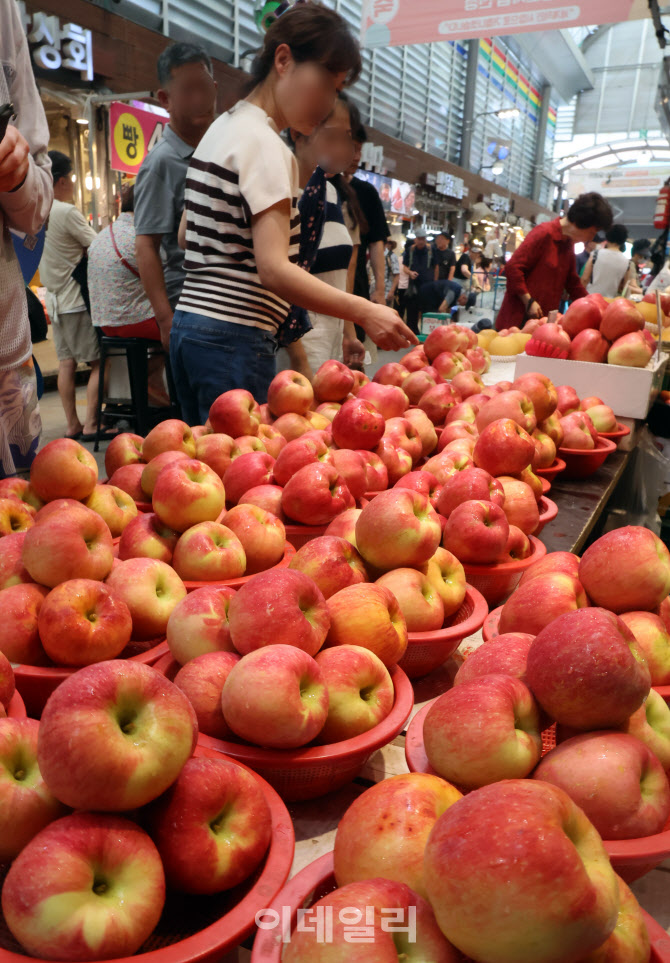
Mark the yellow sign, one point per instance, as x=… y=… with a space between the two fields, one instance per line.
x=129 y=143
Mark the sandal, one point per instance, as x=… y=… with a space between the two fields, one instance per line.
x=106 y=434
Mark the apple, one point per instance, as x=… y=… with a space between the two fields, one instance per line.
x=576 y=433
x=376 y=472
x=555 y=562
x=404 y=435
x=450 y=363
x=586 y=669
x=12 y=571
x=630 y=938
x=15 y=517
x=27 y=803
x=202 y=680
x=114 y=506
x=591 y=402
x=368 y=615
x=235 y=413
x=395 y=818
x=212 y=828
x=282 y=606
x=387 y=908
x=199 y=624
x=568 y=400
x=360 y=379
x=331 y=562
x=620 y=318
x=418 y=597
x=589 y=345
x=454 y=430
x=503 y=655
x=188 y=492
x=397 y=528
x=20 y=488
x=170 y=435
x=503 y=448
x=290 y=699
x=448 y=463
x=423 y=482
x=476 y=532
x=152 y=470
x=464 y=445
x=438 y=401
x=631 y=350
x=246 y=472
x=81 y=622
x=83 y=749
x=545 y=450
x=329 y=409
x=520 y=504
x=626 y=570
x=518 y=545
x=292 y=426
x=272 y=439
x=467 y=383
x=315 y=495
x=146 y=536
x=651 y=725
x=100 y=895
x=332 y=381
x=471 y=484
x=603 y=418
x=151 y=589
x=267 y=497
x=393 y=373
x=554 y=336
x=63 y=469
x=209 y=552
x=552 y=426
x=537 y=603
x=318 y=422
x=352 y=469
x=462 y=750
x=446 y=573
x=261 y=534
x=358 y=424
x=451 y=337
x=479 y=358
x=541 y=392
x=19 y=610
x=415 y=359
x=615 y=779
x=74 y=543
x=418 y=383
x=7 y=682
x=397 y=461
x=390 y=400
x=129 y=479
x=344 y=526
x=560 y=898
x=465 y=411
x=514 y=405
x=200 y=431
x=582 y=314
x=289 y=391
x=216 y=451
x=653 y=641
x=360 y=691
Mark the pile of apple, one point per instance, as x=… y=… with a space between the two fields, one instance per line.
x=104 y=807
x=593 y=329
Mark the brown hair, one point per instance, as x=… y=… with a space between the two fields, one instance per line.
x=345 y=191
x=591 y=210
x=314 y=34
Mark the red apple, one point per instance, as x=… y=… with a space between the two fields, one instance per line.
x=582 y=314
x=74 y=543
x=564 y=563
x=114 y=506
x=352 y=468
x=477 y=531
x=589 y=345
x=392 y=373
x=424 y=428
x=329 y=409
x=520 y=504
x=631 y=350
x=479 y=358
x=586 y=669
x=552 y=427
x=199 y=431
x=199 y=624
x=235 y=413
x=576 y=432
x=124 y=449
x=289 y=391
x=315 y=495
x=186 y=493
x=63 y=469
x=398 y=528
x=7 y=682
x=418 y=597
x=653 y=641
x=273 y=440
x=545 y=450
x=447 y=463
x=465 y=411
x=630 y=937
x=333 y=381
x=129 y=479
x=331 y=562
x=12 y=571
x=262 y=535
x=15 y=516
x=503 y=655
x=290 y=700
x=202 y=680
x=554 y=336
x=450 y=363
x=146 y=536
x=152 y=469
x=602 y=417
x=541 y=392
x=437 y=402
x=418 y=382
x=402 y=434
x=446 y=573
x=539 y=602
x=518 y=545
x=651 y=725
x=620 y=318
x=503 y=448
x=470 y=485
x=626 y=570
x=514 y=405
x=358 y=424
x=170 y=435
x=298 y=453
x=568 y=400
x=415 y=359
x=368 y=615
x=209 y=552
x=216 y=451
x=451 y=337
x=390 y=400
x=360 y=692
x=292 y=426
x=19 y=610
x=454 y=430
x=82 y=622
x=246 y=472
x=344 y=526
x=20 y=488
x=151 y=589
x=376 y=472
x=467 y=383
x=423 y=482
x=267 y=497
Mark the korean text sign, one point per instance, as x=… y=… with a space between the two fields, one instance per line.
x=132 y=133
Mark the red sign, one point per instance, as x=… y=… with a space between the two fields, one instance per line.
x=398 y=22
x=132 y=134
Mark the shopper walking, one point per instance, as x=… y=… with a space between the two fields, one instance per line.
x=391 y=272
x=68 y=237
x=444 y=258
x=418 y=264
x=639 y=257
x=26 y=193
x=242 y=228
x=187 y=90
x=543 y=267
x=606 y=270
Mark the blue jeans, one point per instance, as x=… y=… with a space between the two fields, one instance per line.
x=209 y=357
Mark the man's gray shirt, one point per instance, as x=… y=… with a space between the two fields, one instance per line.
x=159 y=202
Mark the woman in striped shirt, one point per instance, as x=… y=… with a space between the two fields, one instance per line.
x=242 y=224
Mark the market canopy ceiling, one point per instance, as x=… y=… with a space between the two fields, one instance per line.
x=400 y=22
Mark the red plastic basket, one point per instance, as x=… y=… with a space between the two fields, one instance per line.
x=428 y=650
x=552 y=471
x=144 y=507
x=663 y=691
x=546 y=485
x=313 y=771
x=201 y=928
x=36 y=682
x=318 y=880
x=582 y=464
x=289 y=552
x=497 y=582
x=491 y=624
x=548 y=512
x=299 y=535
x=17 y=707
x=622 y=431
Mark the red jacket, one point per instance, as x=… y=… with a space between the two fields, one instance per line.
x=544 y=267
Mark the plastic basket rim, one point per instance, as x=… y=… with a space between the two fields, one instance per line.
x=365 y=744
x=492 y=621
x=557 y=466
x=548 y=510
x=319 y=873
x=234 y=925
x=17 y=707
x=517 y=564
x=58 y=672
x=458 y=630
x=296 y=528
x=602 y=445
x=289 y=552
x=622 y=431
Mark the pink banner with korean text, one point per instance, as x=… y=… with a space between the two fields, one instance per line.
x=399 y=22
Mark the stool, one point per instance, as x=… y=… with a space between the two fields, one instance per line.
x=137 y=410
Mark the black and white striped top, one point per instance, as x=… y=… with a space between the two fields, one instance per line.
x=240 y=168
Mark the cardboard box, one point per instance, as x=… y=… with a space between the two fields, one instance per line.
x=628 y=391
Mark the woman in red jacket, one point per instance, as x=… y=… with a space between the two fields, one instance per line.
x=543 y=267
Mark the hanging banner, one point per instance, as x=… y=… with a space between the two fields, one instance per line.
x=400 y=22
x=132 y=133
x=633 y=181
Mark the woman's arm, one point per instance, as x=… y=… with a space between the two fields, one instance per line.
x=181 y=233
x=270 y=232
x=587 y=273
x=298 y=358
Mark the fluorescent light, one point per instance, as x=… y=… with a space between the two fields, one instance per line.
x=508 y=113
x=497 y=169
x=82 y=121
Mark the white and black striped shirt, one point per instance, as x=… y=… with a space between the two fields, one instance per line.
x=240 y=168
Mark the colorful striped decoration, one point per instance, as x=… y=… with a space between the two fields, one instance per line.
x=502 y=67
